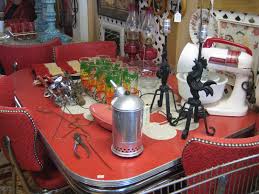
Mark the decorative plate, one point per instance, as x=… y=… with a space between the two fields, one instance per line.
x=102 y=114
x=194 y=24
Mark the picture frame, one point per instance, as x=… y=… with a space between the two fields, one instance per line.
x=116 y=9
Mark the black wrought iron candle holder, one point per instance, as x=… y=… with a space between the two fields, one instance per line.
x=193 y=107
x=163 y=73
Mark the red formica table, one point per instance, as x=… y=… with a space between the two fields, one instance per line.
x=158 y=156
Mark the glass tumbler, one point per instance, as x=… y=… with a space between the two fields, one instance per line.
x=114 y=75
x=84 y=71
x=103 y=60
x=100 y=75
x=92 y=79
x=130 y=78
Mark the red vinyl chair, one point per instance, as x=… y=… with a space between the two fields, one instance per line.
x=205 y=152
x=26 y=55
x=6 y=91
x=74 y=51
x=6 y=99
x=21 y=143
x=24 y=10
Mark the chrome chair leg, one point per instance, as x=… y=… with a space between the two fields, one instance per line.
x=14 y=181
x=71 y=183
x=16 y=172
x=55 y=191
x=6 y=164
x=7 y=144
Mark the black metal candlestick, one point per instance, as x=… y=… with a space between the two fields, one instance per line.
x=163 y=74
x=195 y=108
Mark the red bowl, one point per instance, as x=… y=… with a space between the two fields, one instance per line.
x=102 y=114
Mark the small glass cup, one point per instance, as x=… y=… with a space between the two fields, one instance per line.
x=15 y=28
x=148 y=78
x=103 y=60
x=92 y=80
x=100 y=76
x=85 y=70
x=116 y=67
x=31 y=29
x=114 y=75
x=104 y=57
x=24 y=30
x=130 y=77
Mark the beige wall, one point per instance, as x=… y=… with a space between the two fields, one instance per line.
x=180 y=34
x=245 y=6
x=92 y=20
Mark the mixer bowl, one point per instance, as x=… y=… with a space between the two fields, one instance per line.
x=184 y=89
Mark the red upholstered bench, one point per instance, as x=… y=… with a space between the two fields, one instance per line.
x=74 y=51
x=26 y=55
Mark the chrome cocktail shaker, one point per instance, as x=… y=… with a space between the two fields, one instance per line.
x=127 y=122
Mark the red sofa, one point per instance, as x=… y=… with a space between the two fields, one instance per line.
x=26 y=55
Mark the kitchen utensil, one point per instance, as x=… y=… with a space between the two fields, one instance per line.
x=78 y=141
x=226 y=60
x=127 y=122
x=185 y=93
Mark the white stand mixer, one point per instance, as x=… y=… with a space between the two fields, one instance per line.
x=237 y=62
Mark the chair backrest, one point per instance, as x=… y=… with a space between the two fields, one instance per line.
x=75 y=51
x=257 y=124
x=24 y=10
x=205 y=152
x=18 y=125
x=26 y=55
x=6 y=91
